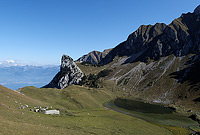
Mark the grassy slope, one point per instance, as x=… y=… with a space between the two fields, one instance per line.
x=88 y=116
x=90 y=69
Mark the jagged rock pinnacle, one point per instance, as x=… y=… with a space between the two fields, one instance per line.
x=69 y=74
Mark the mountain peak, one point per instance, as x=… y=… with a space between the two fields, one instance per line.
x=197 y=10
x=69 y=74
x=94 y=57
x=66 y=61
x=64 y=56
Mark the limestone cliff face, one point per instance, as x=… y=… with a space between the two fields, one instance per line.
x=69 y=74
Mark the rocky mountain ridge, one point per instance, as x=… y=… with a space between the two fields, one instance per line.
x=179 y=38
x=93 y=57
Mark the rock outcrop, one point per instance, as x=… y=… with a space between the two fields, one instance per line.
x=69 y=74
x=94 y=57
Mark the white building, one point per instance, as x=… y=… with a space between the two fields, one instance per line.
x=51 y=112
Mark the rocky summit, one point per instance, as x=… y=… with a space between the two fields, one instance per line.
x=69 y=74
x=93 y=57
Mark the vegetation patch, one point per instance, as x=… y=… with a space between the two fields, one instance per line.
x=93 y=80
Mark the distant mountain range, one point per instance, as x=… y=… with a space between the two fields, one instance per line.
x=9 y=63
x=17 y=76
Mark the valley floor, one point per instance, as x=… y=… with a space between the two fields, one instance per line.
x=82 y=112
x=78 y=115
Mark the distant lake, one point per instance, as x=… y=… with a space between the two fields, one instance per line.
x=16 y=77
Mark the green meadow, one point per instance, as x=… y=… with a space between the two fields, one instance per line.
x=82 y=112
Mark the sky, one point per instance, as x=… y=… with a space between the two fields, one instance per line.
x=39 y=32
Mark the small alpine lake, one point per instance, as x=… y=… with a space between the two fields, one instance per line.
x=143 y=107
x=153 y=113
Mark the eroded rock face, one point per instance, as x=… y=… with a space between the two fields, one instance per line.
x=179 y=38
x=69 y=74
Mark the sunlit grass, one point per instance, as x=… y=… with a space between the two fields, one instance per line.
x=87 y=114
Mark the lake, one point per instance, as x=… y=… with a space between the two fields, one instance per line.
x=140 y=106
x=153 y=113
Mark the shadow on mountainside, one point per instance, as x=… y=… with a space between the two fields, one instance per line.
x=191 y=74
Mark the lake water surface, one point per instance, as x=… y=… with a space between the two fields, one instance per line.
x=153 y=113
x=140 y=106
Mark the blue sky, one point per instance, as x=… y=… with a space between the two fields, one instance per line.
x=40 y=31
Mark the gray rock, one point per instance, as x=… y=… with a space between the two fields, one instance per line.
x=69 y=74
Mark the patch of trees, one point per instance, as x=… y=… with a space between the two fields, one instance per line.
x=93 y=80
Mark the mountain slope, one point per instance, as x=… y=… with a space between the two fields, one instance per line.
x=93 y=57
x=180 y=38
x=159 y=63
